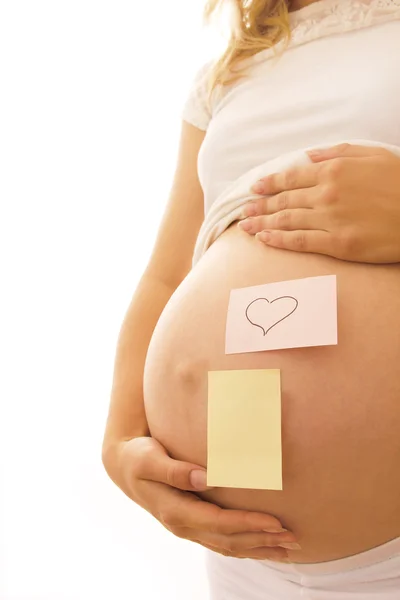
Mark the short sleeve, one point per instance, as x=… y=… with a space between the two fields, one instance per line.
x=196 y=109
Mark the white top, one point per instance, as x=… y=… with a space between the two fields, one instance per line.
x=338 y=80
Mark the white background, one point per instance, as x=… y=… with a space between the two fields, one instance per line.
x=90 y=101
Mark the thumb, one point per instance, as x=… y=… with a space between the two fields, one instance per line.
x=343 y=151
x=155 y=464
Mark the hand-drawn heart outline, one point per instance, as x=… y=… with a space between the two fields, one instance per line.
x=271 y=302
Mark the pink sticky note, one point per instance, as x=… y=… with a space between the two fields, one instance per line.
x=286 y=314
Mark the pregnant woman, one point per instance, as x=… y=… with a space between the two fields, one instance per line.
x=337 y=79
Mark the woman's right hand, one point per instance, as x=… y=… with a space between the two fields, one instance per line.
x=142 y=468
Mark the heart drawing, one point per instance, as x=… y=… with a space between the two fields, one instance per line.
x=266 y=314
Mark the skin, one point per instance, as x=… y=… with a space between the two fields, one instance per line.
x=340 y=418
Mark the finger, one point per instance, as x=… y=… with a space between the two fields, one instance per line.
x=151 y=461
x=344 y=150
x=317 y=242
x=303 y=198
x=271 y=204
x=239 y=542
x=305 y=176
x=275 y=554
x=287 y=220
x=191 y=512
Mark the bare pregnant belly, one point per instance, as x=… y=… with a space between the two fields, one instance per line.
x=340 y=404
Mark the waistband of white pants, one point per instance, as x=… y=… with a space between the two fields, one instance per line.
x=374 y=556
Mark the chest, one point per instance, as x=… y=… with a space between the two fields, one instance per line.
x=337 y=87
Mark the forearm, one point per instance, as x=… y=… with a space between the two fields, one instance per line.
x=127 y=418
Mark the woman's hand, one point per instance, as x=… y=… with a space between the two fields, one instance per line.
x=346 y=205
x=163 y=486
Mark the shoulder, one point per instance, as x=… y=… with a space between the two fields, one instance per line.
x=197 y=108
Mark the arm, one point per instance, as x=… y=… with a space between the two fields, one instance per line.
x=168 y=266
x=136 y=462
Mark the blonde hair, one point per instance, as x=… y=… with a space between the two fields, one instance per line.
x=254 y=26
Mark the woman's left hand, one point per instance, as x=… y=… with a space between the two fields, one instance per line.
x=346 y=204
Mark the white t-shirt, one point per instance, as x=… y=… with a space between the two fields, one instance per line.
x=339 y=79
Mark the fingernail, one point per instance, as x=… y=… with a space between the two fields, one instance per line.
x=314 y=153
x=198 y=479
x=245 y=225
x=290 y=546
x=258 y=188
x=264 y=236
x=275 y=530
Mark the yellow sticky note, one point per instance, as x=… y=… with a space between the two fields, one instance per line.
x=244 y=442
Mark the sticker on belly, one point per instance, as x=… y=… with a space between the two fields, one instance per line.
x=244 y=446
x=287 y=314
